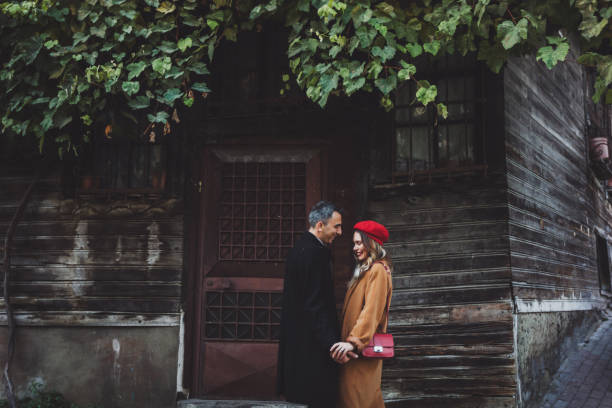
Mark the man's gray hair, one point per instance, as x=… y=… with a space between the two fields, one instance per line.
x=321 y=211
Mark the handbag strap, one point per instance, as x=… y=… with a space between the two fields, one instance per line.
x=388 y=304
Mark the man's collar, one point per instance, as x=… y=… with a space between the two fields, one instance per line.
x=317 y=238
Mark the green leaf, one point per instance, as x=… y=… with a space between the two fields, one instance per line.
x=480 y=9
x=511 y=34
x=590 y=58
x=387 y=84
x=590 y=28
x=333 y=52
x=167 y=47
x=166 y=7
x=351 y=86
x=135 y=69
x=550 y=56
x=408 y=71
x=609 y=97
x=212 y=24
x=130 y=87
x=129 y=14
x=374 y=69
x=384 y=54
x=50 y=44
x=200 y=87
x=140 y=102
x=414 y=49
x=199 y=68
x=365 y=35
x=494 y=55
x=171 y=95
x=184 y=43
x=162 y=65
x=188 y=101
x=432 y=47
x=160 y=117
x=98 y=31
x=86 y=119
x=442 y=110
x=426 y=93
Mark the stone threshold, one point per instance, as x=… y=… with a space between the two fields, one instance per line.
x=200 y=403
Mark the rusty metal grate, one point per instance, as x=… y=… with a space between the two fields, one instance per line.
x=234 y=316
x=262 y=210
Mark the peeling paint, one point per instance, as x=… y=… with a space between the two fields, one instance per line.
x=80 y=246
x=153 y=244
x=119 y=249
x=116 y=364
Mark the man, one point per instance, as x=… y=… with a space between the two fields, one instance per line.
x=309 y=326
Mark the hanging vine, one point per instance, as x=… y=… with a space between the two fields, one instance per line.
x=74 y=68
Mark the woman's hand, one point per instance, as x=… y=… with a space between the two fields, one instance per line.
x=339 y=350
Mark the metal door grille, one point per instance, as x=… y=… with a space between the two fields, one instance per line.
x=262 y=210
x=243 y=315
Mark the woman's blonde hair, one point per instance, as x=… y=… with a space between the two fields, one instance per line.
x=375 y=253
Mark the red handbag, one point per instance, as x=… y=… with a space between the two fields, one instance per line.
x=381 y=344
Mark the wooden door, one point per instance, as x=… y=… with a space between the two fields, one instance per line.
x=254 y=208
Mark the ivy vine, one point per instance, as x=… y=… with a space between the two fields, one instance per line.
x=71 y=68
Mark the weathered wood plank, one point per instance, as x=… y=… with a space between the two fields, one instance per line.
x=459 y=328
x=454 y=401
x=83 y=257
x=442 y=215
x=461 y=294
x=165 y=226
x=489 y=349
x=120 y=289
x=448 y=263
x=456 y=339
x=454 y=230
x=484 y=312
x=84 y=318
x=95 y=244
x=434 y=247
x=453 y=278
x=76 y=273
x=100 y=304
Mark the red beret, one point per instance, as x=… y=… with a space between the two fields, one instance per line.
x=374 y=230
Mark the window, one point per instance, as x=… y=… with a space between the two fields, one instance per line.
x=119 y=166
x=603 y=263
x=598 y=120
x=425 y=142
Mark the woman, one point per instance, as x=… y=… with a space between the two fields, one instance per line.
x=364 y=313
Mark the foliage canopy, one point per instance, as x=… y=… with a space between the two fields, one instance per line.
x=74 y=67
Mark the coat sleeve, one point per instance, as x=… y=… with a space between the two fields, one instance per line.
x=374 y=307
x=322 y=323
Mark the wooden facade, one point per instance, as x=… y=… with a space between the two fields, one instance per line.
x=487 y=260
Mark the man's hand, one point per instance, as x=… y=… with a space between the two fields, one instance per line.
x=348 y=357
x=339 y=350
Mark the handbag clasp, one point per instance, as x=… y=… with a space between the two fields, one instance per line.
x=378 y=349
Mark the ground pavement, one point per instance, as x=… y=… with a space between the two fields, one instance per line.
x=585 y=377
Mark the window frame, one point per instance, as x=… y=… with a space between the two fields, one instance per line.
x=478 y=121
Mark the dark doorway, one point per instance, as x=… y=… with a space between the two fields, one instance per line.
x=255 y=202
x=603 y=263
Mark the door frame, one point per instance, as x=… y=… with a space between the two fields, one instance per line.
x=199 y=231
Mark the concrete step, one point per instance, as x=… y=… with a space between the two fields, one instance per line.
x=200 y=403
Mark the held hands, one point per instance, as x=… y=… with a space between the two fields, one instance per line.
x=342 y=352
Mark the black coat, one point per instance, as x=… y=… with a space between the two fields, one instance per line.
x=309 y=326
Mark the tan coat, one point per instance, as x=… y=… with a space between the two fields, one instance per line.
x=363 y=314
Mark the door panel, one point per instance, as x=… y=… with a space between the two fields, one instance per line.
x=255 y=207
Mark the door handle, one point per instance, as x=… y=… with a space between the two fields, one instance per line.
x=219 y=284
